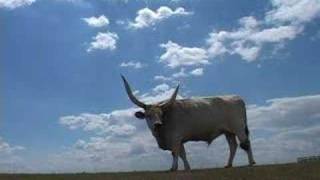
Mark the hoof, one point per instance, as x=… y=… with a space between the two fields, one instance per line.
x=252 y=163
x=228 y=166
x=172 y=170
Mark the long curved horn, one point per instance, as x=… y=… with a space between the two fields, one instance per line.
x=130 y=94
x=173 y=97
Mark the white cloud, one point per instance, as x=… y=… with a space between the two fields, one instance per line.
x=291 y=126
x=289 y=112
x=101 y=123
x=216 y=48
x=135 y=65
x=104 y=41
x=176 y=76
x=276 y=34
x=197 y=72
x=249 y=53
x=162 y=78
x=249 y=38
x=235 y=42
x=86 y=121
x=104 y=154
x=6 y=148
x=176 y=55
x=147 y=17
x=285 y=21
x=12 y=4
x=161 y=87
x=180 y=74
x=157 y=95
x=97 y=21
x=293 y=11
x=249 y=22
x=10 y=159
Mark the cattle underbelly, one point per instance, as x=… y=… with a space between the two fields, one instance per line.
x=207 y=137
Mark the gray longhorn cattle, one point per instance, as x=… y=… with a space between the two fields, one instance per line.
x=174 y=122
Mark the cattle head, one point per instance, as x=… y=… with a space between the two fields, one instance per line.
x=153 y=113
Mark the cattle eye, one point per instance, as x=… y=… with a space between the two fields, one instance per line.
x=139 y=115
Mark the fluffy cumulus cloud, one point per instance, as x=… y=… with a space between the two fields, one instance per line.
x=161 y=92
x=290 y=126
x=147 y=17
x=197 y=72
x=9 y=158
x=179 y=75
x=161 y=87
x=284 y=22
x=132 y=64
x=286 y=113
x=101 y=123
x=117 y=137
x=293 y=11
x=276 y=34
x=161 y=78
x=282 y=129
x=249 y=38
x=104 y=41
x=6 y=148
x=176 y=55
x=183 y=74
x=97 y=21
x=12 y=4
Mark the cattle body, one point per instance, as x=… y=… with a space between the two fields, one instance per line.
x=201 y=119
x=174 y=122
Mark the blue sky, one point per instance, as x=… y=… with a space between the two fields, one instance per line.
x=62 y=99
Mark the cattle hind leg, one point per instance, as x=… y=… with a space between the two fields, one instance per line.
x=231 y=138
x=246 y=145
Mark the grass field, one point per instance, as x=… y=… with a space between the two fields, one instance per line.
x=308 y=171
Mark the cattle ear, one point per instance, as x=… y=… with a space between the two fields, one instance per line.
x=139 y=115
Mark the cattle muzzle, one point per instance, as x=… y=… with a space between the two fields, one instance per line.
x=157 y=125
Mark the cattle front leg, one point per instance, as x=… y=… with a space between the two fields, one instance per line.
x=175 y=155
x=231 y=138
x=184 y=158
